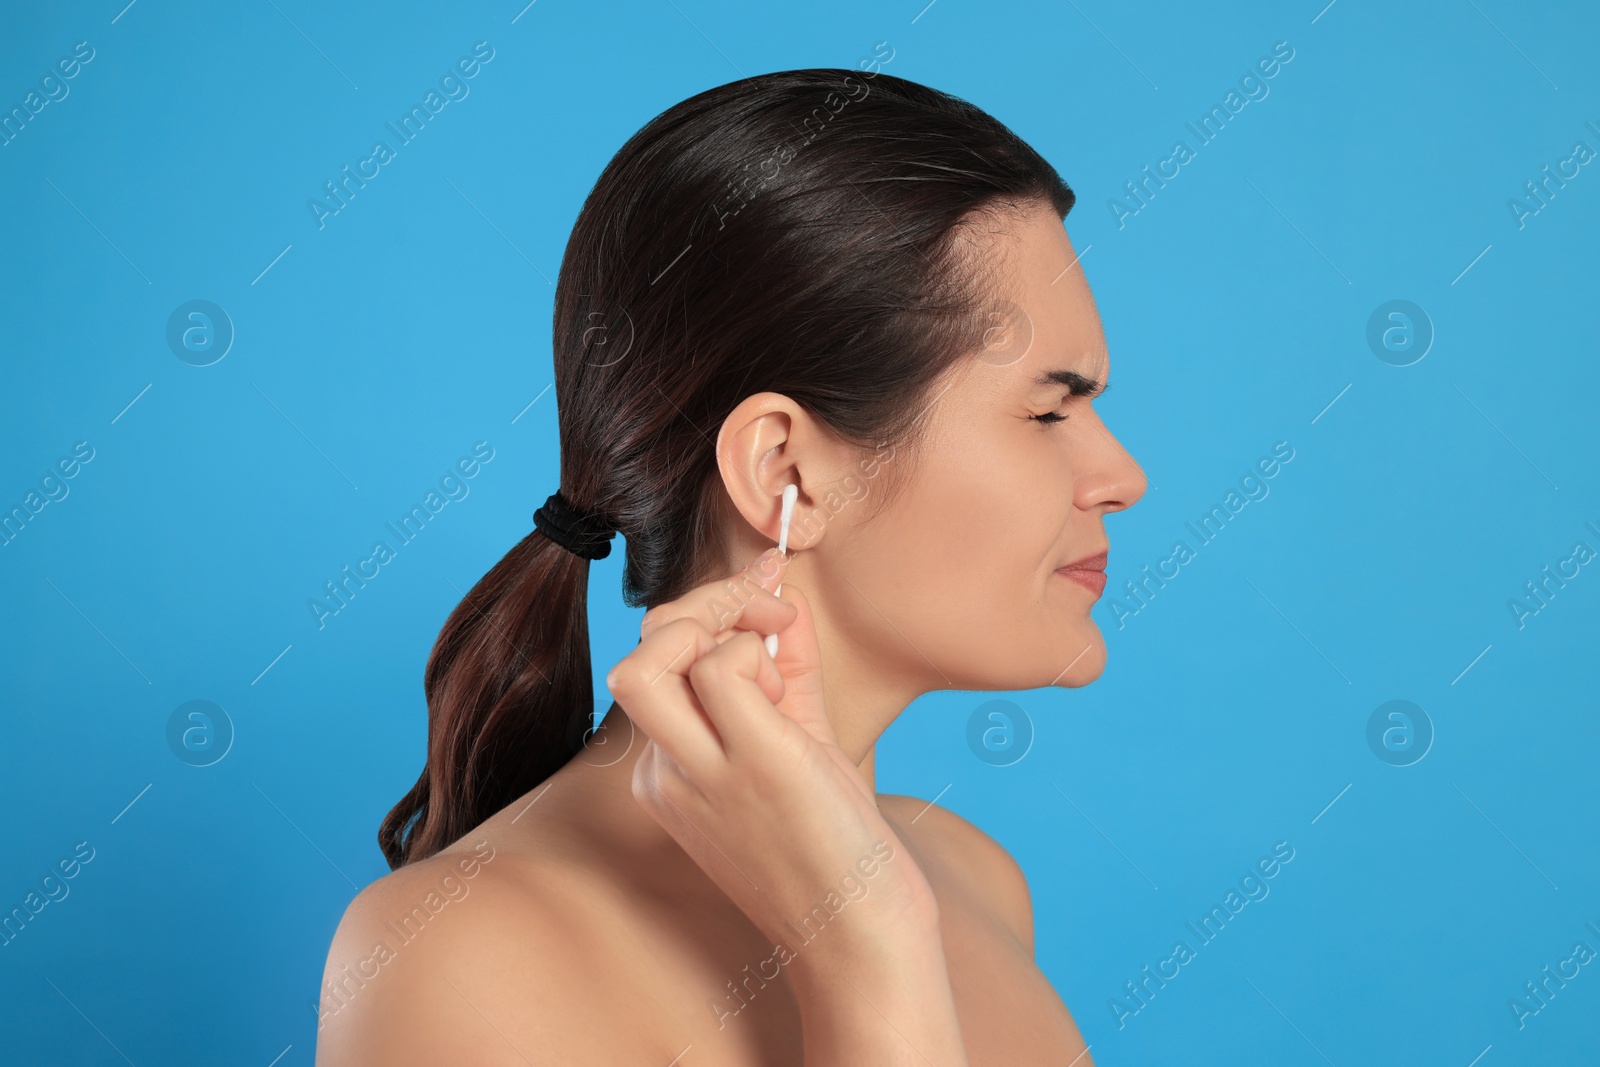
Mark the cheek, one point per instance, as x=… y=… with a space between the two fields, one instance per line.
x=970 y=570
x=967 y=526
x=1002 y=501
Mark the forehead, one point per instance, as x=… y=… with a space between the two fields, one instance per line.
x=1043 y=293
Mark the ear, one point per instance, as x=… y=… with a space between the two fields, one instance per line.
x=766 y=443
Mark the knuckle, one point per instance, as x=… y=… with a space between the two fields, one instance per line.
x=739 y=655
x=684 y=636
x=709 y=669
x=678 y=628
x=667 y=644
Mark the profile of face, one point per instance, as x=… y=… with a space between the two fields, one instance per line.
x=957 y=581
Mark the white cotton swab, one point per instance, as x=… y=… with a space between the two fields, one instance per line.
x=791 y=493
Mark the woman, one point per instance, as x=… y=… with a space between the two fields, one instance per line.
x=862 y=286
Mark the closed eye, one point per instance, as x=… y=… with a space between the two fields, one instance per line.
x=1078 y=387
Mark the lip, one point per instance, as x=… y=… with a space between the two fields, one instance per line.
x=1089 y=572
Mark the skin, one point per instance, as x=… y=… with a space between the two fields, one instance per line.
x=607 y=911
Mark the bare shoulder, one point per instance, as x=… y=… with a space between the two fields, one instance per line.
x=469 y=956
x=968 y=859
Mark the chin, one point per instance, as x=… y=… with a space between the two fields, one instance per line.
x=1085 y=657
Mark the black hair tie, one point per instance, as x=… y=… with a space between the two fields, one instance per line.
x=587 y=536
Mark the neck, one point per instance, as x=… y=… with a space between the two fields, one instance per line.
x=866 y=686
x=614 y=748
x=592 y=797
x=865 y=689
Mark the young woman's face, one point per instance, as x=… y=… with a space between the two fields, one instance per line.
x=959 y=582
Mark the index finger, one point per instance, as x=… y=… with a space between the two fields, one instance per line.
x=745 y=599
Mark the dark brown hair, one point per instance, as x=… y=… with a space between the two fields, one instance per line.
x=795 y=232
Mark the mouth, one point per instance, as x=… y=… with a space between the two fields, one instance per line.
x=1089 y=572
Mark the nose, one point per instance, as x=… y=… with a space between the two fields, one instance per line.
x=1110 y=479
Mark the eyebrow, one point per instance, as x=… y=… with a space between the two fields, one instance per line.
x=1076 y=384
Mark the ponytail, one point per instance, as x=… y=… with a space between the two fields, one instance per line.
x=509 y=694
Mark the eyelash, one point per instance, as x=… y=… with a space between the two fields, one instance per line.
x=1049 y=418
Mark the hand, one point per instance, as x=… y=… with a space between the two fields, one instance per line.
x=743 y=769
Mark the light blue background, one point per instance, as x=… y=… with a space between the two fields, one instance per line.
x=376 y=351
